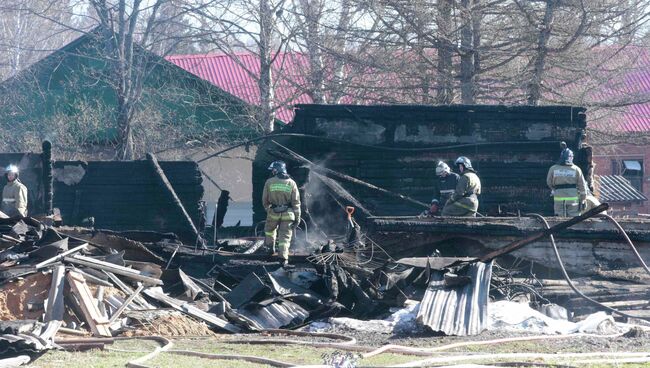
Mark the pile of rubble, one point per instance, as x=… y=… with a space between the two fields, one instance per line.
x=71 y=281
x=58 y=283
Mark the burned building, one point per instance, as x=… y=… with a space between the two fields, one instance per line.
x=396 y=148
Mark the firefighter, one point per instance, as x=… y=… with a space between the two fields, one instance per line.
x=14 y=194
x=281 y=200
x=464 y=199
x=568 y=186
x=443 y=187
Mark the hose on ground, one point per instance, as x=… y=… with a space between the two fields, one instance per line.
x=570 y=282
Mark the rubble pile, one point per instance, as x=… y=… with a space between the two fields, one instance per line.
x=58 y=283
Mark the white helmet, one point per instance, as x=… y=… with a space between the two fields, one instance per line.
x=442 y=168
x=13 y=169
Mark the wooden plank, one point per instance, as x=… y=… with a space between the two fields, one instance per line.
x=558 y=227
x=98 y=324
x=55 y=305
x=157 y=293
x=110 y=267
x=126 y=304
x=128 y=291
x=61 y=256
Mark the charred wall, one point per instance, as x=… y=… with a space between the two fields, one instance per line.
x=396 y=147
x=124 y=195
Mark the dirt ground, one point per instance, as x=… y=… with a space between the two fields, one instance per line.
x=17 y=297
x=173 y=324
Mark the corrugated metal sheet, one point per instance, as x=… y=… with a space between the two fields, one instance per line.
x=273 y=315
x=615 y=188
x=459 y=310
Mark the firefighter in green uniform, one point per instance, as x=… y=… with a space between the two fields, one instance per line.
x=464 y=200
x=14 y=194
x=568 y=186
x=281 y=200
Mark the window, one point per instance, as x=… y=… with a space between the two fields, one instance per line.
x=632 y=170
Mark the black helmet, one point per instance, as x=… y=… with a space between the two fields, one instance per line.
x=278 y=167
x=465 y=162
x=566 y=157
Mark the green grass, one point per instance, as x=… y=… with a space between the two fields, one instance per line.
x=287 y=353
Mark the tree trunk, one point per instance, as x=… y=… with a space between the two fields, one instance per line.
x=125 y=148
x=477 y=17
x=466 y=53
x=267 y=115
x=338 y=88
x=312 y=12
x=445 y=93
x=541 y=52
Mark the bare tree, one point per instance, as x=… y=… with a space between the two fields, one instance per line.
x=29 y=29
x=126 y=23
x=251 y=27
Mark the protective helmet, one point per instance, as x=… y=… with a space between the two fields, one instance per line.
x=465 y=162
x=442 y=168
x=278 y=167
x=12 y=169
x=566 y=158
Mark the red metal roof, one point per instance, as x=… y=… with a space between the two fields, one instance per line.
x=238 y=76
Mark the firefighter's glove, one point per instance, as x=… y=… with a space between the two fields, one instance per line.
x=295 y=224
x=435 y=207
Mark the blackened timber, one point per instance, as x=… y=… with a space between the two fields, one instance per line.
x=340 y=176
x=556 y=228
x=396 y=148
x=48 y=185
x=169 y=191
x=339 y=191
x=125 y=195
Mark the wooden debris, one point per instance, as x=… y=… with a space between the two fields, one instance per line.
x=554 y=229
x=110 y=267
x=126 y=303
x=128 y=291
x=157 y=293
x=61 y=256
x=55 y=306
x=98 y=324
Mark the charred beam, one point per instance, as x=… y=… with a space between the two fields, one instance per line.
x=337 y=175
x=559 y=227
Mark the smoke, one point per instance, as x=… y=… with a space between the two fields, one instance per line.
x=329 y=220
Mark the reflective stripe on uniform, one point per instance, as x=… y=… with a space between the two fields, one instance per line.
x=270 y=233
x=280 y=187
x=278 y=216
x=8 y=199
x=562 y=199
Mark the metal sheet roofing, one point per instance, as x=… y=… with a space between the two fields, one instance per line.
x=615 y=188
x=623 y=84
x=238 y=75
x=459 y=310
